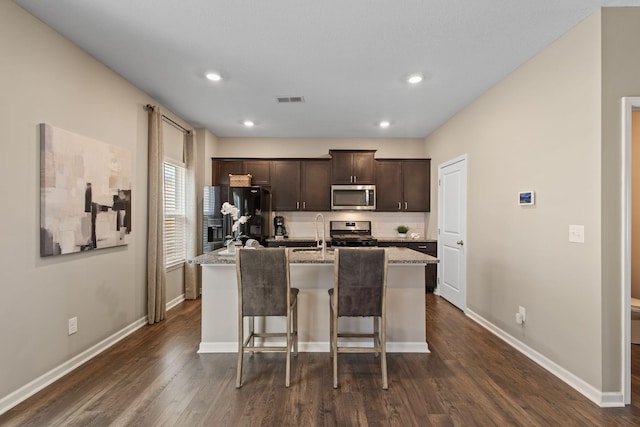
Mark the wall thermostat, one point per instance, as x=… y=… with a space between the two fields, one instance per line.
x=526 y=198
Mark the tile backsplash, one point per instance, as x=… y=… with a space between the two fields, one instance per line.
x=383 y=224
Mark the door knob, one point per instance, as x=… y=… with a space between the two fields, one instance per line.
x=460 y=242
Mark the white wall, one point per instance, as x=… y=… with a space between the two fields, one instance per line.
x=207 y=145
x=45 y=78
x=318 y=147
x=539 y=129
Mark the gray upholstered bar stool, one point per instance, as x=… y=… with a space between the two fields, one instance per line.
x=264 y=289
x=359 y=290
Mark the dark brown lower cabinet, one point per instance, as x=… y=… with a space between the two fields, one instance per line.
x=286 y=243
x=429 y=248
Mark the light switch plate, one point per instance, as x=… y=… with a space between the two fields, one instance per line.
x=73 y=325
x=576 y=233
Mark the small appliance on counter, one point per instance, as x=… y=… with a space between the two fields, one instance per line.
x=351 y=233
x=280 y=229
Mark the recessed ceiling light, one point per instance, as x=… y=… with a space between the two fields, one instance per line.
x=414 y=79
x=384 y=124
x=214 y=77
x=248 y=123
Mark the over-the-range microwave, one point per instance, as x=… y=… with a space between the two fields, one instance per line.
x=353 y=197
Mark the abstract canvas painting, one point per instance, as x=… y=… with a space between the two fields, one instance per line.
x=85 y=193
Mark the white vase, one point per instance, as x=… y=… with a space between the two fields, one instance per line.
x=231 y=246
x=402 y=235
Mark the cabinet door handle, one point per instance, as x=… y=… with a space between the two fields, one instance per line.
x=460 y=242
x=304 y=205
x=355 y=179
x=422 y=246
x=399 y=206
x=297 y=205
x=406 y=205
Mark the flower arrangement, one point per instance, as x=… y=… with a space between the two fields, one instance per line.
x=229 y=209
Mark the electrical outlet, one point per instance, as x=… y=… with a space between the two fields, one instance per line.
x=519 y=318
x=576 y=233
x=73 y=325
x=523 y=313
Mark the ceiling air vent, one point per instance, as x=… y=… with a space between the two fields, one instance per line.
x=284 y=99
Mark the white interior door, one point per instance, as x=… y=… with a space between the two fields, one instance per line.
x=452 y=231
x=629 y=106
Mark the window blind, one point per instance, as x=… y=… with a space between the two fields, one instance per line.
x=174 y=214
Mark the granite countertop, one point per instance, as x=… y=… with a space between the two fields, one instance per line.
x=295 y=239
x=313 y=256
x=405 y=239
x=380 y=239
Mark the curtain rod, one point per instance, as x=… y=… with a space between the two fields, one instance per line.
x=177 y=125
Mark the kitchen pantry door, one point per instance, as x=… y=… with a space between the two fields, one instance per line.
x=452 y=231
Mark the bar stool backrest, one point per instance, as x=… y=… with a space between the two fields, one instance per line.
x=361 y=281
x=264 y=281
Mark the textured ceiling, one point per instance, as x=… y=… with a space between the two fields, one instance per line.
x=348 y=58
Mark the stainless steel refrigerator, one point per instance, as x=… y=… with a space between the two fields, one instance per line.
x=254 y=201
x=213 y=231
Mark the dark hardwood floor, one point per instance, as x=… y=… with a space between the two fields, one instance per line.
x=155 y=377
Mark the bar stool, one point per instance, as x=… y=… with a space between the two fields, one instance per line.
x=264 y=289
x=359 y=290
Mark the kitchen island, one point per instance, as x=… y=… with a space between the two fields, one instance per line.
x=312 y=273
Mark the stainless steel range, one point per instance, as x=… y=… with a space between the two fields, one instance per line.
x=351 y=233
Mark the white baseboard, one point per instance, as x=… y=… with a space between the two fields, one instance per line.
x=177 y=300
x=314 y=347
x=218 y=347
x=48 y=378
x=602 y=399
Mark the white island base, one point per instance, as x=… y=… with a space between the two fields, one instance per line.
x=406 y=323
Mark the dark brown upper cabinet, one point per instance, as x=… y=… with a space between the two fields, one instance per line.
x=285 y=185
x=300 y=185
x=403 y=185
x=222 y=168
x=315 y=185
x=260 y=171
x=353 y=166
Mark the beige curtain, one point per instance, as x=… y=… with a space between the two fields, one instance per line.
x=156 y=297
x=192 y=229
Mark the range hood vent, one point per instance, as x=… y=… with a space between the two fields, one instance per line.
x=290 y=99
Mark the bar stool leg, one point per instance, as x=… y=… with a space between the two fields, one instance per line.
x=295 y=328
x=334 y=346
x=330 y=330
x=383 y=358
x=240 y=352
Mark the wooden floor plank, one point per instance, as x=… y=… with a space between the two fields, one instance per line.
x=156 y=377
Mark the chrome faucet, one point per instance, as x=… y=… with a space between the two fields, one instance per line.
x=320 y=243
